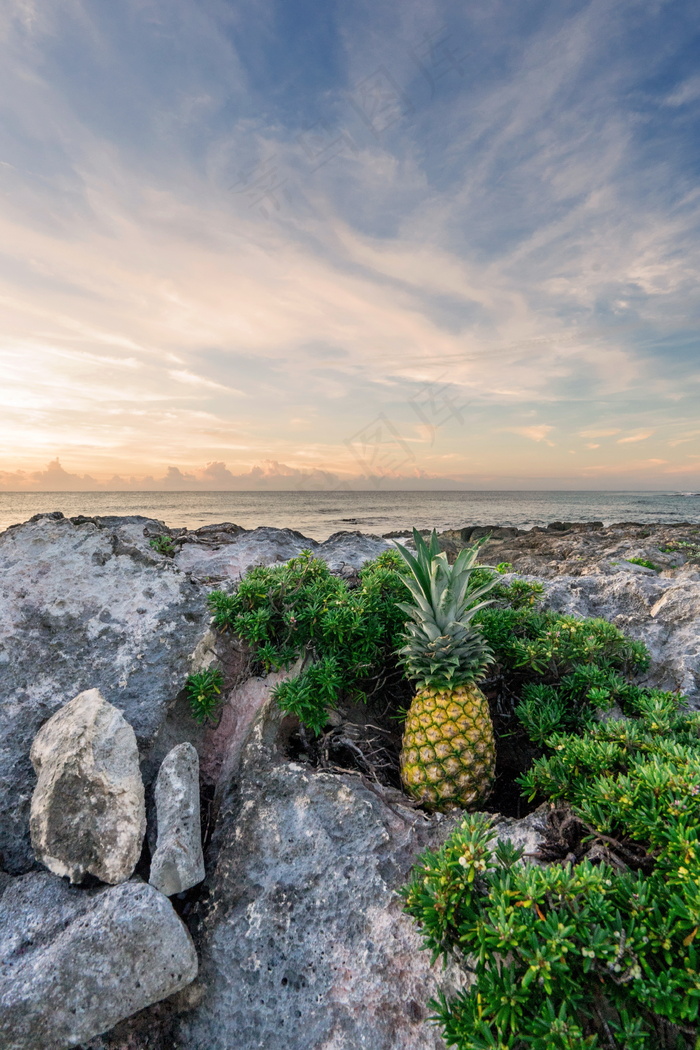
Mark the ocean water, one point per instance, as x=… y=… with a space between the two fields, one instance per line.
x=319 y=514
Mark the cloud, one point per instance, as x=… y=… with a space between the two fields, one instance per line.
x=634 y=468
x=179 y=266
x=53 y=479
x=689 y=91
x=689 y=435
x=275 y=475
x=635 y=437
x=537 y=432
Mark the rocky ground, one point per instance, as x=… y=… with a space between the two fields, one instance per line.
x=584 y=548
x=297 y=925
x=587 y=570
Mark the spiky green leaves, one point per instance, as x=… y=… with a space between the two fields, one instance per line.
x=443 y=649
x=204 y=693
x=347 y=635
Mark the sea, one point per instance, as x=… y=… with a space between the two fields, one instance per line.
x=319 y=514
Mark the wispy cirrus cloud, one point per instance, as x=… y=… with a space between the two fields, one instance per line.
x=212 y=228
x=633 y=438
x=538 y=432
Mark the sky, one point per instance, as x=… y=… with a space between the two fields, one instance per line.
x=277 y=244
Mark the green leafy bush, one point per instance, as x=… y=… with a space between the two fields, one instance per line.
x=589 y=955
x=550 y=644
x=518 y=594
x=644 y=562
x=348 y=636
x=204 y=693
x=164 y=544
x=503 y=567
x=561 y=670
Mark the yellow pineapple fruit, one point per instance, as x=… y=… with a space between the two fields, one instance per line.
x=448 y=753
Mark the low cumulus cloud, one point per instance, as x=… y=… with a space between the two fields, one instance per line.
x=268 y=475
x=211 y=477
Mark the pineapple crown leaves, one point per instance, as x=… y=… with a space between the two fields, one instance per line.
x=442 y=646
x=441 y=591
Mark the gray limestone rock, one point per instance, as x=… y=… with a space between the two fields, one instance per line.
x=178 y=863
x=88 y=813
x=661 y=611
x=75 y=962
x=303 y=939
x=229 y=553
x=86 y=604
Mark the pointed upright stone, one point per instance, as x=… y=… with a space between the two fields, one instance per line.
x=88 y=814
x=178 y=863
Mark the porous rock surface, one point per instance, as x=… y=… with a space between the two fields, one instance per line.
x=303 y=942
x=84 y=604
x=663 y=612
x=586 y=572
x=88 y=603
x=578 y=548
x=228 y=551
x=178 y=862
x=88 y=813
x=74 y=962
x=302 y=939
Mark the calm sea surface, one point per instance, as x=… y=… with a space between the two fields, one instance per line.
x=318 y=514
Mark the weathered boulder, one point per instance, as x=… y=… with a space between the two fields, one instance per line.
x=86 y=604
x=317 y=988
x=229 y=551
x=88 y=813
x=75 y=962
x=178 y=862
x=661 y=611
x=303 y=942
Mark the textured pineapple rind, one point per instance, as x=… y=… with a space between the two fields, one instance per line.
x=448 y=756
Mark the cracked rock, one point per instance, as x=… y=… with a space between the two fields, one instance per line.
x=74 y=962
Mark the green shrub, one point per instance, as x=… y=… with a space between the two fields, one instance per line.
x=204 y=693
x=593 y=955
x=560 y=670
x=643 y=562
x=164 y=544
x=348 y=636
x=503 y=567
x=518 y=594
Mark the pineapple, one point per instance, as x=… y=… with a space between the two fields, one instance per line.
x=448 y=753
